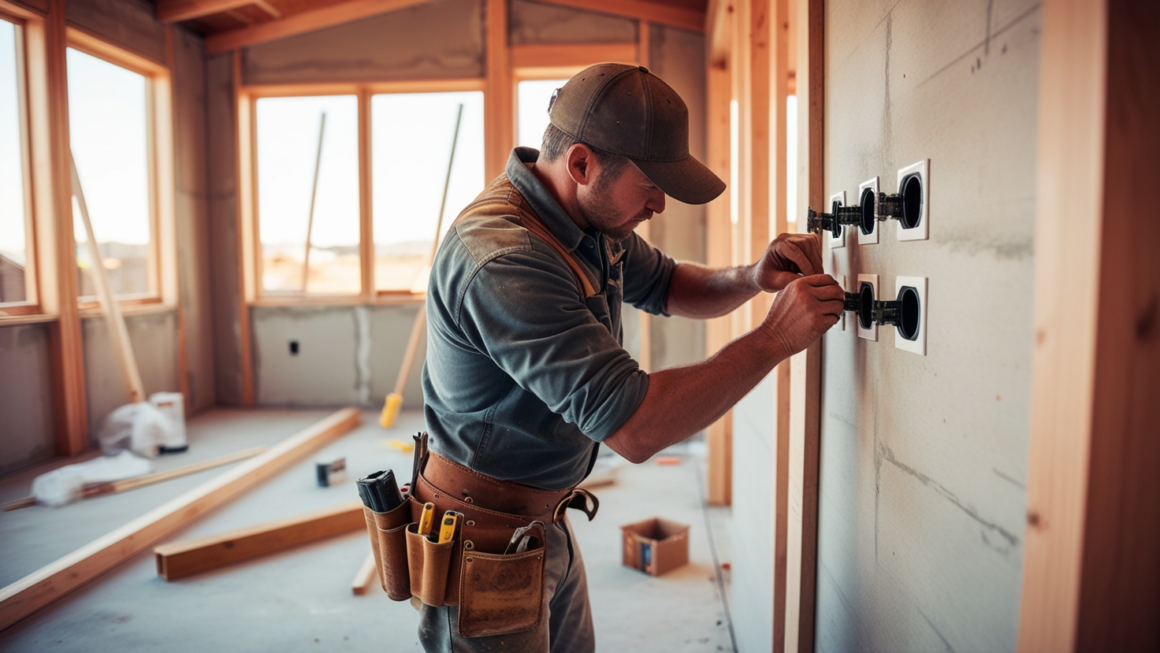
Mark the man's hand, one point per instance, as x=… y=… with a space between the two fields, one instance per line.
x=803 y=311
x=788 y=257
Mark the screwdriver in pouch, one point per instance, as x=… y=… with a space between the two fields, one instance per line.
x=447 y=531
x=427 y=519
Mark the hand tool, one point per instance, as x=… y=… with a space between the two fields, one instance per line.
x=427 y=519
x=447 y=531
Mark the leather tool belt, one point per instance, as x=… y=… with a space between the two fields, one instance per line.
x=496 y=592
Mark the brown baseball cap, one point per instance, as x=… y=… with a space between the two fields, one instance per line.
x=626 y=110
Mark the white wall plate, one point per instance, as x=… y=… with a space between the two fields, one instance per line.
x=841 y=279
x=872 y=237
x=922 y=231
x=918 y=345
x=872 y=332
x=835 y=242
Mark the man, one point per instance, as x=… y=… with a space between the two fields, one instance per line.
x=525 y=372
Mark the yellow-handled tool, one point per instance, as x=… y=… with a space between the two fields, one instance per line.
x=427 y=519
x=447 y=531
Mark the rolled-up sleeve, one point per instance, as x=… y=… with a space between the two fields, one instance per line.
x=647 y=272
x=524 y=310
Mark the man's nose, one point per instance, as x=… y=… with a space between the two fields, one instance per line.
x=656 y=201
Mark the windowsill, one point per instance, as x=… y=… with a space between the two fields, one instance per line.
x=386 y=299
x=130 y=309
x=29 y=318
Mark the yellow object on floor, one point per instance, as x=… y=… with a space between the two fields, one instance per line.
x=403 y=445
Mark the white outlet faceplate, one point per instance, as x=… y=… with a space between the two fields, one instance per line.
x=841 y=279
x=872 y=332
x=918 y=345
x=922 y=231
x=835 y=242
x=872 y=237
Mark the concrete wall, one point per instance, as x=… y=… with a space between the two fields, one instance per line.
x=923 y=459
x=26 y=421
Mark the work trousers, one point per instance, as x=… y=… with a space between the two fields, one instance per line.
x=566 y=626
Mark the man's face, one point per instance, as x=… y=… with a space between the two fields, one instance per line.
x=615 y=206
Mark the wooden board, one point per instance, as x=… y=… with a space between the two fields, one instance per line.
x=499 y=122
x=367 y=574
x=302 y=22
x=182 y=559
x=53 y=581
x=659 y=11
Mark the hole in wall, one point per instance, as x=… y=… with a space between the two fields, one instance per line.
x=909 y=317
x=293 y=347
x=911 y=201
x=866 y=305
x=868 y=211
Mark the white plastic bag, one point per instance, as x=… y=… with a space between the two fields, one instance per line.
x=139 y=427
x=65 y=484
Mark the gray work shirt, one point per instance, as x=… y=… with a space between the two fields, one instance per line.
x=523 y=376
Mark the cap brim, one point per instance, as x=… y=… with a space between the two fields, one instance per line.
x=688 y=181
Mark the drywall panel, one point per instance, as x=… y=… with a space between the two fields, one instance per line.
x=534 y=22
x=191 y=214
x=752 y=536
x=441 y=39
x=222 y=205
x=26 y=426
x=345 y=355
x=127 y=23
x=923 y=460
x=153 y=337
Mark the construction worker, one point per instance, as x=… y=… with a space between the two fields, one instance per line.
x=525 y=372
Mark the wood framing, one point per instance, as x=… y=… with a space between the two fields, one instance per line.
x=1091 y=577
x=367 y=573
x=499 y=122
x=643 y=46
x=174 y=11
x=805 y=368
x=182 y=559
x=569 y=56
x=53 y=581
x=245 y=140
x=306 y=21
x=655 y=12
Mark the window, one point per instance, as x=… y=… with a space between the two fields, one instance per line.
x=17 y=280
x=411 y=149
x=110 y=133
x=533 y=97
x=308 y=195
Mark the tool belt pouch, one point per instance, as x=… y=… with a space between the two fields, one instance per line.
x=500 y=594
x=429 y=563
x=388 y=543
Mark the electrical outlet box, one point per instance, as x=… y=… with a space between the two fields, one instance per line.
x=871 y=332
x=917 y=345
x=837 y=242
x=914 y=187
x=868 y=201
x=841 y=279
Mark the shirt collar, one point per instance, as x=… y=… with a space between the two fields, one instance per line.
x=545 y=206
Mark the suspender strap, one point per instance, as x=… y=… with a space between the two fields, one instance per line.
x=533 y=224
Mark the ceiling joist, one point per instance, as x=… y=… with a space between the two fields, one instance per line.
x=653 y=12
x=175 y=11
x=306 y=21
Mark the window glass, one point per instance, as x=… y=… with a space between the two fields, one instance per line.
x=411 y=139
x=533 y=97
x=109 y=135
x=14 y=239
x=289 y=130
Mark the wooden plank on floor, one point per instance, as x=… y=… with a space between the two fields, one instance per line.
x=53 y=581
x=181 y=559
x=367 y=573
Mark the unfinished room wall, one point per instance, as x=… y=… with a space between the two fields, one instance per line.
x=534 y=22
x=442 y=39
x=923 y=458
x=127 y=23
x=345 y=355
x=26 y=424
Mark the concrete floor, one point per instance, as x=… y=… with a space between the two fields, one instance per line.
x=301 y=599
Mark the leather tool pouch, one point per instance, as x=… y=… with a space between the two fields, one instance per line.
x=388 y=544
x=501 y=593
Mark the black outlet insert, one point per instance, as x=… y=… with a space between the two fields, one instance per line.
x=911 y=201
x=903 y=313
x=293 y=347
x=866 y=305
x=867 y=216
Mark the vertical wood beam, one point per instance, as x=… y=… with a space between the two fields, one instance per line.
x=718 y=253
x=246 y=140
x=805 y=368
x=1091 y=579
x=643 y=43
x=778 y=39
x=60 y=263
x=499 y=96
x=755 y=134
x=366 y=201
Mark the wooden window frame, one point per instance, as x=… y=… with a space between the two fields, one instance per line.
x=31 y=308
x=162 y=264
x=248 y=96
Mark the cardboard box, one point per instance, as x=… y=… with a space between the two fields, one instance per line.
x=655 y=546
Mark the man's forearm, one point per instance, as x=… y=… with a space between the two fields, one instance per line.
x=701 y=292
x=683 y=400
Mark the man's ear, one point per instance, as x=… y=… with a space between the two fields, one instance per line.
x=581 y=164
